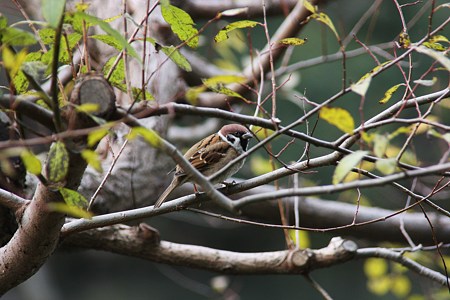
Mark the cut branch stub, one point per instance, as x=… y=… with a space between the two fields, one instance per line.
x=94 y=95
x=91 y=102
x=337 y=251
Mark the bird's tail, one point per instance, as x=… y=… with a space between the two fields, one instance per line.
x=166 y=193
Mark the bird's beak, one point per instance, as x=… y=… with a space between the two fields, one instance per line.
x=247 y=136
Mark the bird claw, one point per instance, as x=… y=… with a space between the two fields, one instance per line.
x=229 y=184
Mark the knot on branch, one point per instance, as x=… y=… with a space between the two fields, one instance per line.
x=337 y=251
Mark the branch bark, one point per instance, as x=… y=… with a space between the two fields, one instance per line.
x=140 y=242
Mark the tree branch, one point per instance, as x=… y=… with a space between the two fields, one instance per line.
x=139 y=242
x=209 y=9
x=143 y=242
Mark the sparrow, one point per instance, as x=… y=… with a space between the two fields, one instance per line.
x=210 y=155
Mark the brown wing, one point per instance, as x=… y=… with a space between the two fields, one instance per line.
x=206 y=152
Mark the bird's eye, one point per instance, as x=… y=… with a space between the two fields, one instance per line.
x=231 y=138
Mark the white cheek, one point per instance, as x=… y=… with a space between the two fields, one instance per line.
x=236 y=144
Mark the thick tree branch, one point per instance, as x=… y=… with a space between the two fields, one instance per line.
x=139 y=242
x=34 y=241
x=143 y=242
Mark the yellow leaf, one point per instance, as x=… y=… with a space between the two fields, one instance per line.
x=88 y=108
x=149 y=135
x=13 y=62
x=31 y=162
x=96 y=135
x=401 y=286
x=309 y=6
x=292 y=41
x=404 y=40
x=262 y=133
x=438 y=38
x=338 y=117
x=388 y=94
x=222 y=35
x=92 y=158
x=375 y=267
x=223 y=79
x=380 y=285
x=192 y=94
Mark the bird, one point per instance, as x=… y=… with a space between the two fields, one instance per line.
x=210 y=155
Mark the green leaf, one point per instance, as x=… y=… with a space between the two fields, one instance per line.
x=292 y=41
x=338 y=117
x=223 y=33
x=181 y=23
x=438 y=56
x=346 y=165
x=73 y=198
x=149 y=135
x=174 y=55
x=386 y=166
x=108 y=40
x=57 y=163
x=47 y=35
x=53 y=10
x=92 y=158
x=118 y=74
x=3 y=22
x=388 y=94
x=31 y=162
x=112 y=32
x=16 y=37
x=69 y=210
x=96 y=135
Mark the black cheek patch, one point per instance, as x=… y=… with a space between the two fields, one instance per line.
x=244 y=144
x=231 y=138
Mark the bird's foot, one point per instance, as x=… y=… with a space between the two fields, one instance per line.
x=229 y=184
